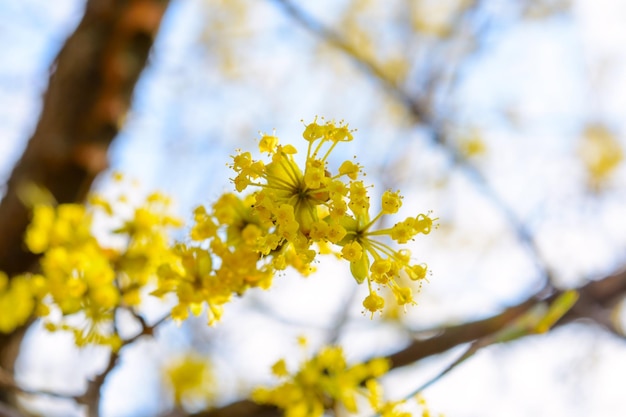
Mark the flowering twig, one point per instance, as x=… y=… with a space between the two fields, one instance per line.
x=92 y=395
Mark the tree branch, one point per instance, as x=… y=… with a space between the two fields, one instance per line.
x=88 y=96
x=89 y=93
x=317 y=29
x=597 y=295
x=452 y=336
x=596 y=299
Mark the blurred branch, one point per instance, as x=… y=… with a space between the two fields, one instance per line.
x=243 y=408
x=595 y=302
x=92 y=396
x=89 y=93
x=7 y=411
x=596 y=299
x=341 y=317
x=423 y=112
x=7 y=382
x=449 y=337
x=327 y=34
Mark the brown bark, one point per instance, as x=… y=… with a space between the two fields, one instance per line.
x=89 y=93
x=244 y=408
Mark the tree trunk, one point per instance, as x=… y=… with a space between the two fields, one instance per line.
x=89 y=93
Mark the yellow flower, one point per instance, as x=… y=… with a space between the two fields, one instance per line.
x=17 y=302
x=350 y=169
x=391 y=202
x=268 y=143
x=191 y=380
x=204 y=227
x=38 y=233
x=292 y=201
x=374 y=303
x=352 y=251
x=601 y=154
x=298 y=206
x=320 y=381
x=79 y=275
x=280 y=368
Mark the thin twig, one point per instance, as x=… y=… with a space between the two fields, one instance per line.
x=92 y=395
x=342 y=317
x=8 y=382
x=319 y=30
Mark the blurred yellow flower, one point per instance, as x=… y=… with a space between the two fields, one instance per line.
x=191 y=381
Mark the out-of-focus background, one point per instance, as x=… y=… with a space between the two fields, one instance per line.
x=507 y=119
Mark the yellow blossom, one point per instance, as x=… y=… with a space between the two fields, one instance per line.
x=391 y=202
x=601 y=154
x=352 y=251
x=374 y=303
x=191 y=380
x=295 y=213
x=268 y=143
x=324 y=379
x=17 y=302
x=280 y=368
x=299 y=206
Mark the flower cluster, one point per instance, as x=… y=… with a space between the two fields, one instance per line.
x=17 y=300
x=222 y=261
x=295 y=212
x=313 y=204
x=601 y=154
x=80 y=276
x=191 y=379
x=327 y=381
